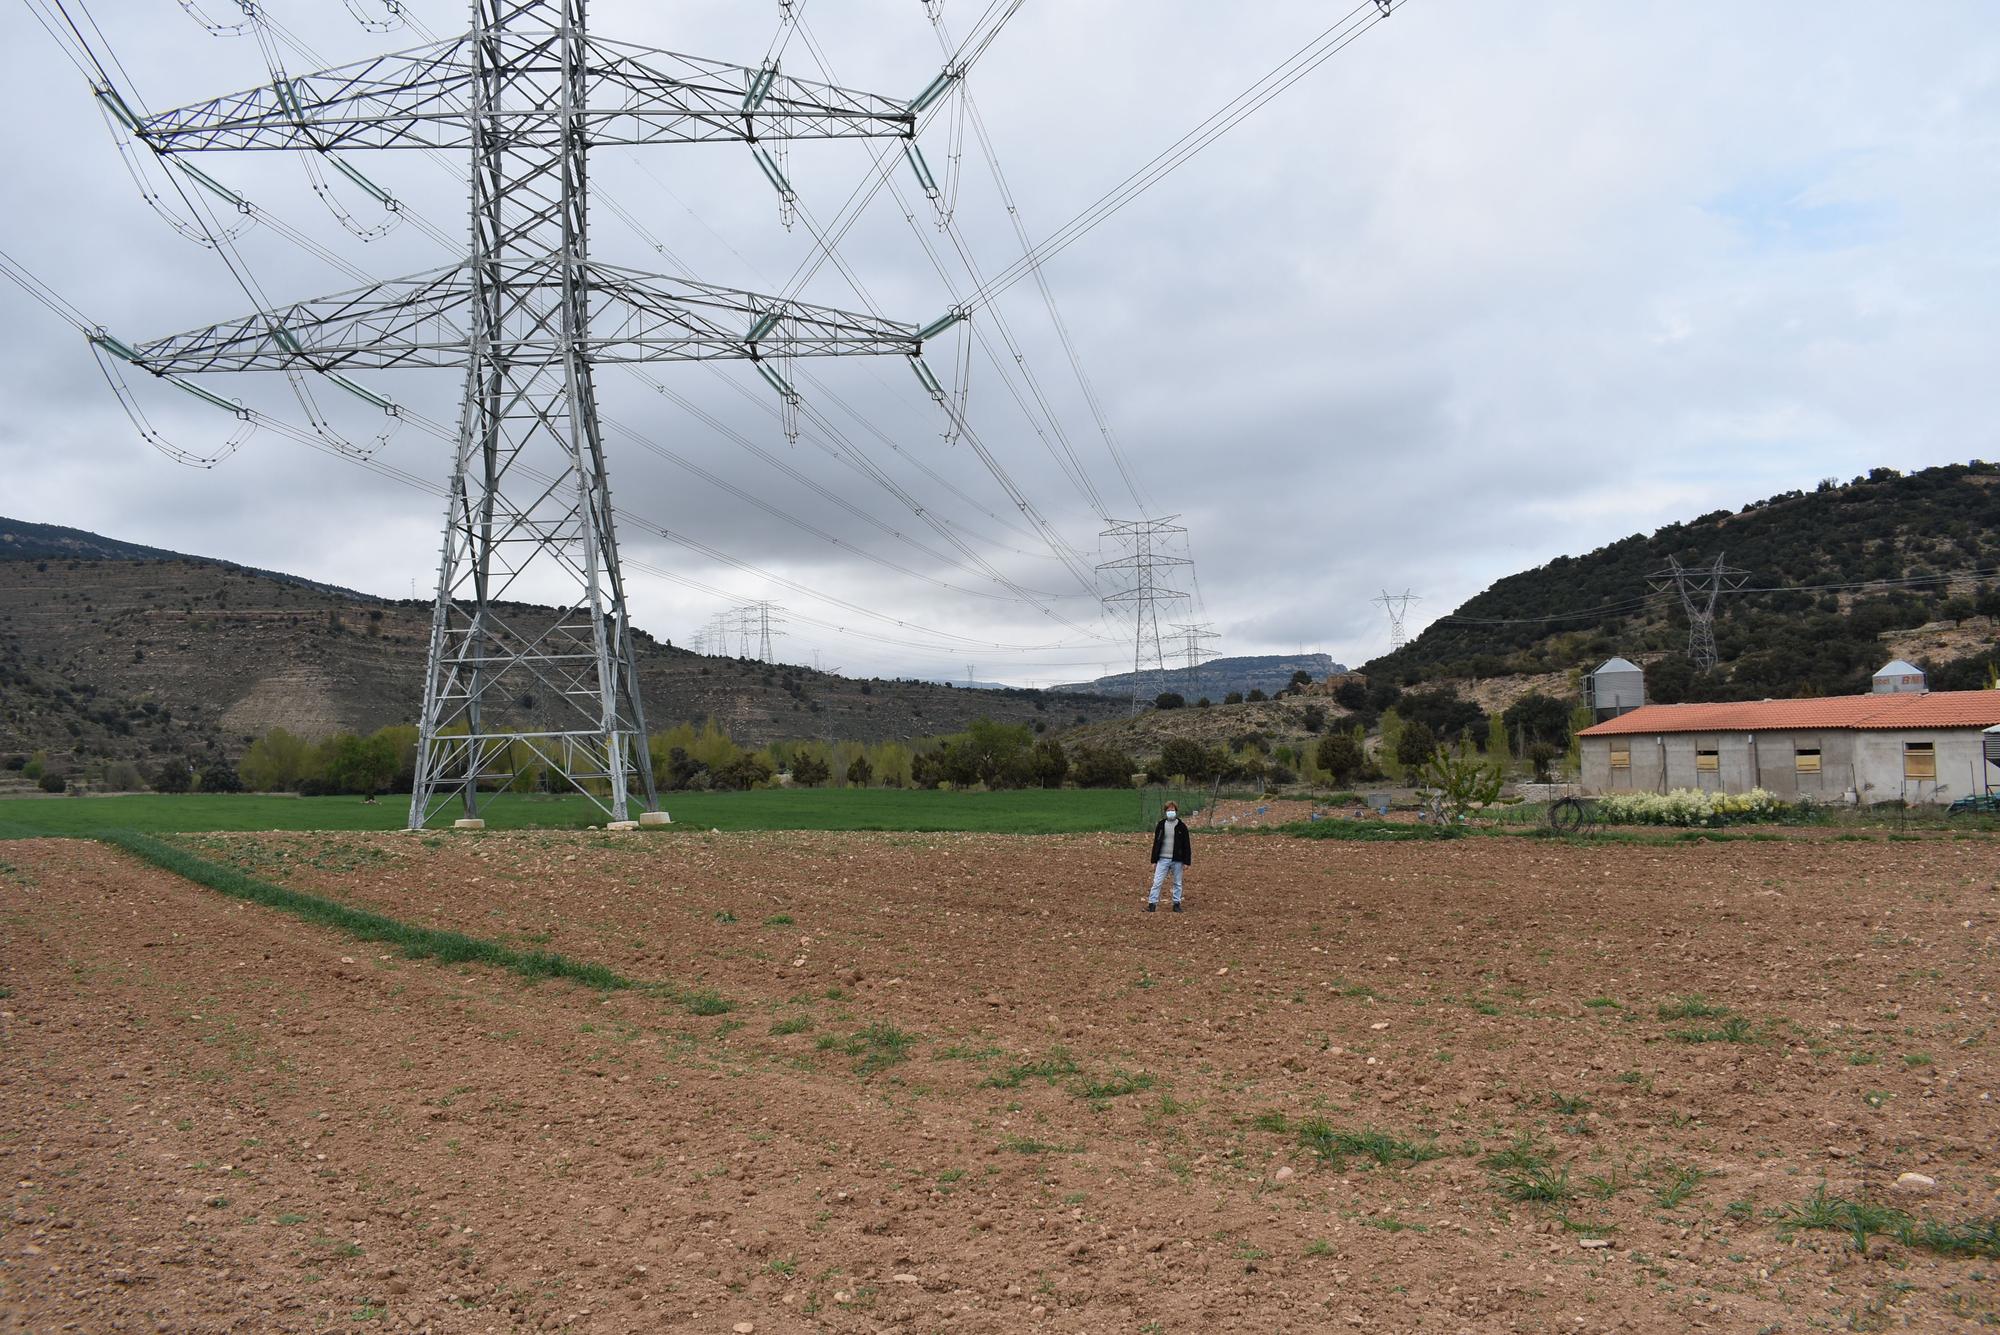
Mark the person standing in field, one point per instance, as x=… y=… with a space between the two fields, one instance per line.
x=1172 y=850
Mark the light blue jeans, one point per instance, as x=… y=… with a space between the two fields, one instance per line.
x=1160 y=877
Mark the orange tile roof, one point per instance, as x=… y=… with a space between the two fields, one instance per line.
x=1930 y=709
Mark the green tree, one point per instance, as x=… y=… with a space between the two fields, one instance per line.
x=810 y=770
x=1537 y=717
x=1102 y=767
x=1255 y=696
x=1313 y=717
x=1233 y=698
x=274 y=762
x=860 y=772
x=1341 y=756
x=1186 y=758
x=746 y=771
x=218 y=776
x=173 y=776
x=1415 y=745
x=1169 y=700
x=352 y=764
x=1048 y=763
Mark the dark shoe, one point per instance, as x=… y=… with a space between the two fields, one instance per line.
x=1177 y=906
x=1151 y=907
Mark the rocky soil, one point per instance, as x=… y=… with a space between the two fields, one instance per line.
x=925 y=1082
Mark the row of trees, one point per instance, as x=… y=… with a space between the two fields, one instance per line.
x=685 y=759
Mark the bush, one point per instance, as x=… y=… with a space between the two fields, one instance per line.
x=51 y=782
x=1689 y=806
x=1203 y=703
x=219 y=776
x=744 y=772
x=1169 y=700
x=1341 y=756
x=1255 y=696
x=172 y=777
x=1314 y=717
x=1102 y=767
x=1463 y=781
x=1233 y=698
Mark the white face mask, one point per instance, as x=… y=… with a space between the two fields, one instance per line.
x=1172 y=816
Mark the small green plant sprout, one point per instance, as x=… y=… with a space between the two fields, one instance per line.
x=878 y=1046
x=1116 y=1085
x=793 y=1024
x=1050 y=1068
x=1337 y=1146
x=1680 y=1183
x=1735 y=1029
x=1694 y=1007
x=1523 y=1174
x=1568 y=1105
x=1603 y=1003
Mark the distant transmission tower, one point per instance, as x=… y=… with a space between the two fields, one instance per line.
x=1397 y=605
x=760 y=619
x=1699 y=588
x=1145 y=541
x=525 y=315
x=1192 y=635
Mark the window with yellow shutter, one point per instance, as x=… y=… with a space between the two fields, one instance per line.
x=1707 y=760
x=1621 y=758
x=1919 y=760
x=1806 y=760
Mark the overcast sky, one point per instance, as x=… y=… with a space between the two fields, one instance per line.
x=1494 y=284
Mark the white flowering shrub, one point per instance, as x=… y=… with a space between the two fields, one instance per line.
x=1690 y=806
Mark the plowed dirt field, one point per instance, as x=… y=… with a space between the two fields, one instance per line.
x=944 y=1082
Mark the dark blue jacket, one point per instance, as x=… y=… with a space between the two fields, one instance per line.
x=1183 y=849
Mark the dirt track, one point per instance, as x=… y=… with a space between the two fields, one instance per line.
x=216 y=1118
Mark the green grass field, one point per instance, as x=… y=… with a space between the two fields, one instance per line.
x=1033 y=811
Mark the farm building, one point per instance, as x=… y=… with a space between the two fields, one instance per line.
x=1919 y=746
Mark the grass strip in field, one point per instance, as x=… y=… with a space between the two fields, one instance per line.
x=1362 y=831
x=415 y=942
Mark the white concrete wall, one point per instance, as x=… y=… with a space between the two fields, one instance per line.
x=1867 y=761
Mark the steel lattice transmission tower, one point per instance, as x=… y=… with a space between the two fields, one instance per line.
x=1699 y=587
x=762 y=619
x=525 y=316
x=1146 y=556
x=1397 y=605
x=1193 y=633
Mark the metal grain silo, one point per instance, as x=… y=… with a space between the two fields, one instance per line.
x=1897 y=678
x=1617 y=687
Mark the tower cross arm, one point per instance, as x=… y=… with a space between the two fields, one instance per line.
x=423 y=321
x=643 y=95
x=641 y=317
x=422 y=98
x=411 y=99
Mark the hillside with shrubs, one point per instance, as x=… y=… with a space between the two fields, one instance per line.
x=1831 y=572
